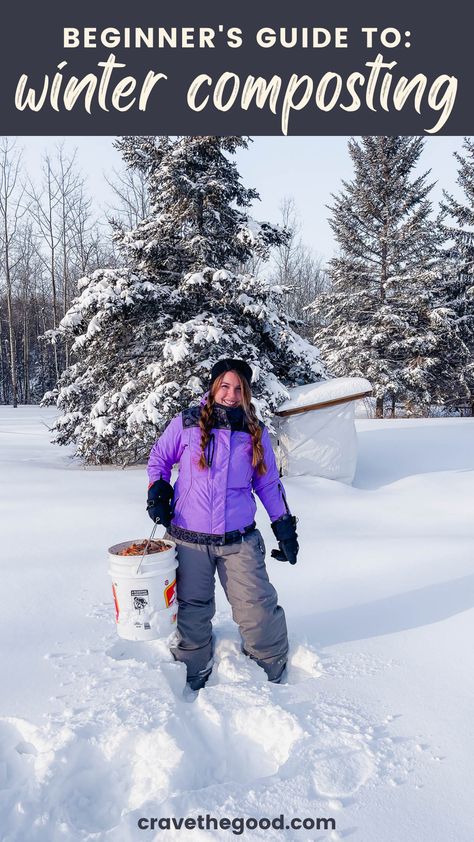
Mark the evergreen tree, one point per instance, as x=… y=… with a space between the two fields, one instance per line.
x=381 y=317
x=192 y=187
x=146 y=335
x=459 y=274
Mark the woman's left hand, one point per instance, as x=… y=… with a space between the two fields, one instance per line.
x=284 y=530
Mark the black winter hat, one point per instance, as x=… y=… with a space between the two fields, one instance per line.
x=240 y=366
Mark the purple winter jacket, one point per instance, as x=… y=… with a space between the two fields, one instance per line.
x=219 y=498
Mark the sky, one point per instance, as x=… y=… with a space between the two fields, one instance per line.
x=308 y=169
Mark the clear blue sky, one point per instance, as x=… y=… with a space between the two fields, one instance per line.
x=307 y=168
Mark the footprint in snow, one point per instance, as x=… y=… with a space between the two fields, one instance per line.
x=343 y=751
x=17 y=752
x=238 y=733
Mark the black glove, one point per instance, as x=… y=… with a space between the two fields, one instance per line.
x=284 y=530
x=158 y=503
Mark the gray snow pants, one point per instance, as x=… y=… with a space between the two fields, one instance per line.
x=243 y=575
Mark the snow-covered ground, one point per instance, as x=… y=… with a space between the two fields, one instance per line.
x=374 y=726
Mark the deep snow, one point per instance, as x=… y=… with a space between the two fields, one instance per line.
x=374 y=726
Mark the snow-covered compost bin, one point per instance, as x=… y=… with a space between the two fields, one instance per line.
x=316 y=431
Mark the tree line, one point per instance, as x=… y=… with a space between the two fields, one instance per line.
x=50 y=237
x=394 y=305
x=400 y=306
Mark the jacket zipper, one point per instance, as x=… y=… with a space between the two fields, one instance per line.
x=210 y=449
x=210 y=460
x=284 y=497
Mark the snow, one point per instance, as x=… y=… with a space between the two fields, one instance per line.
x=329 y=390
x=373 y=727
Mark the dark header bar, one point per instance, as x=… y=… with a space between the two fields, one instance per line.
x=263 y=67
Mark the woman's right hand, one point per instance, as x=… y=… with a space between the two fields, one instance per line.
x=158 y=504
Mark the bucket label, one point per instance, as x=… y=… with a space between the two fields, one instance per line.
x=139 y=600
x=169 y=593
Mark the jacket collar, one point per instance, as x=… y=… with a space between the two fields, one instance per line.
x=220 y=414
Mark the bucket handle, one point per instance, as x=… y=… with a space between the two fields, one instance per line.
x=146 y=547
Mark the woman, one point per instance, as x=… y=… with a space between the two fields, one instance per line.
x=224 y=454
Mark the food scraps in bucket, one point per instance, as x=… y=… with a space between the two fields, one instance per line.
x=144 y=548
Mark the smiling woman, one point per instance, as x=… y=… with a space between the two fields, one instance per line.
x=224 y=456
x=229 y=392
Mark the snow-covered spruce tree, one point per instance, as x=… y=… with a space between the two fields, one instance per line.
x=382 y=317
x=146 y=335
x=458 y=223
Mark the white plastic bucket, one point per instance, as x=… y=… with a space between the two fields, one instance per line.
x=145 y=601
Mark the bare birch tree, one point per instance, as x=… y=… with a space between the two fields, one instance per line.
x=132 y=203
x=12 y=209
x=296 y=267
x=45 y=206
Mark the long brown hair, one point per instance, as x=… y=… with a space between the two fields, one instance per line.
x=206 y=422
